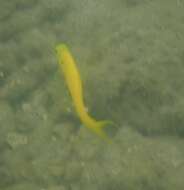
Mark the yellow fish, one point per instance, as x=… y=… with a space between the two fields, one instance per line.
x=71 y=74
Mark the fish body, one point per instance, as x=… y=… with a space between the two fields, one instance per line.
x=73 y=80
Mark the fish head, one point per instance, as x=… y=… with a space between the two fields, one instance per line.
x=61 y=47
x=62 y=52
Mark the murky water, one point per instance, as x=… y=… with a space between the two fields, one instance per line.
x=130 y=56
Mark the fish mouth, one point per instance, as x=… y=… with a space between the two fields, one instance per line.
x=61 y=47
x=61 y=50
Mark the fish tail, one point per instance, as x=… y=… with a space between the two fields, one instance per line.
x=104 y=123
x=100 y=132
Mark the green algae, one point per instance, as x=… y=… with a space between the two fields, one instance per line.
x=130 y=55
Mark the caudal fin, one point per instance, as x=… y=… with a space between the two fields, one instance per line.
x=105 y=123
x=100 y=131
